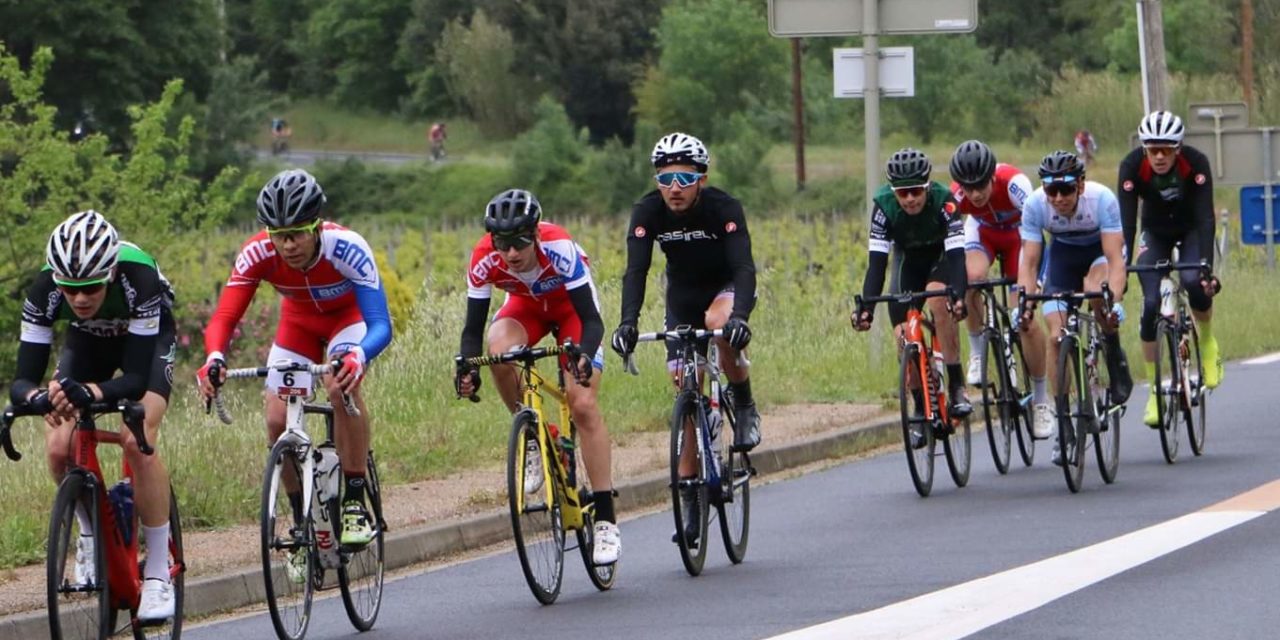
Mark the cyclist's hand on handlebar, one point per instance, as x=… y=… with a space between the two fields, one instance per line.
x=860 y=318
x=1212 y=286
x=580 y=367
x=349 y=369
x=211 y=376
x=737 y=333
x=958 y=309
x=1024 y=317
x=40 y=402
x=466 y=381
x=77 y=394
x=1117 y=314
x=624 y=339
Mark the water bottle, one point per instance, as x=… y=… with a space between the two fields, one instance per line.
x=714 y=423
x=935 y=379
x=1166 y=297
x=564 y=447
x=121 y=497
x=326 y=491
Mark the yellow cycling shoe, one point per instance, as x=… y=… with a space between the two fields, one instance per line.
x=1212 y=363
x=1152 y=415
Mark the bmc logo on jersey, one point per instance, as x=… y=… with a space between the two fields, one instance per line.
x=253 y=253
x=331 y=292
x=354 y=256
x=480 y=272
x=1017 y=192
x=561 y=262
x=543 y=287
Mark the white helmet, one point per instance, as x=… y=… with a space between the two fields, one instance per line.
x=84 y=247
x=680 y=148
x=1161 y=126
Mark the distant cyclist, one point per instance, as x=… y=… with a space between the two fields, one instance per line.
x=1086 y=146
x=118 y=308
x=547 y=280
x=1175 y=184
x=992 y=194
x=436 y=136
x=918 y=219
x=1083 y=219
x=280 y=134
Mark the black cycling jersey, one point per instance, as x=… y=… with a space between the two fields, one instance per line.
x=138 y=299
x=1172 y=204
x=707 y=247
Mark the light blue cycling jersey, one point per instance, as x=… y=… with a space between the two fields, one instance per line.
x=1097 y=212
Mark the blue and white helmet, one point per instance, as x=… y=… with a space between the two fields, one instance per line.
x=680 y=148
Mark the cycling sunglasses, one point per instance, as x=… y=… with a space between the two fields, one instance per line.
x=1161 y=150
x=516 y=241
x=71 y=290
x=1059 y=186
x=909 y=191
x=685 y=179
x=284 y=233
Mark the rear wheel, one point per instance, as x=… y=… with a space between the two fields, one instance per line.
x=998 y=412
x=360 y=575
x=917 y=437
x=1166 y=386
x=536 y=519
x=79 y=605
x=288 y=547
x=602 y=576
x=1072 y=411
x=958 y=449
x=1021 y=396
x=690 y=497
x=1199 y=400
x=177 y=567
x=1106 y=437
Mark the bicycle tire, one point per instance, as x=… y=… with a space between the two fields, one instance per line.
x=1071 y=405
x=735 y=506
x=1198 y=413
x=958 y=449
x=693 y=552
x=996 y=408
x=1023 y=406
x=601 y=576
x=171 y=629
x=288 y=598
x=68 y=600
x=1167 y=391
x=361 y=574
x=1106 y=435
x=919 y=459
x=538 y=528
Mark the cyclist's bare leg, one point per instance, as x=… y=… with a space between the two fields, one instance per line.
x=584 y=406
x=976 y=265
x=948 y=334
x=350 y=433
x=1092 y=283
x=505 y=333
x=57 y=446
x=1053 y=324
x=150 y=477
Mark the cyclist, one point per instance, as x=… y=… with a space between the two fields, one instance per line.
x=919 y=219
x=992 y=193
x=280 y=134
x=547 y=277
x=1083 y=218
x=1086 y=146
x=334 y=308
x=1176 y=187
x=119 y=311
x=436 y=136
x=711 y=276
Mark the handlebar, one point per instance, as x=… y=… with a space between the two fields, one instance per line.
x=1166 y=266
x=903 y=297
x=1070 y=296
x=679 y=334
x=523 y=354
x=348 y=404
x=993 y=283
x=133 y=413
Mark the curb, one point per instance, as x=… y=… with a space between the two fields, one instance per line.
x=214 y=594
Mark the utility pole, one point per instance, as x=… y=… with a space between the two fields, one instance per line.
x=1156 y=69
x=797 y=103
x=1246 y=50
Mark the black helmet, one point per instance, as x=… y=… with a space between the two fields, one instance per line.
x=973 y=163
x=291 y=198
x=908 y=167
x=512 y=211
x=1061 y=164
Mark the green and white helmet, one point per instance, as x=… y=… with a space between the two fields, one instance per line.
x=84 y=248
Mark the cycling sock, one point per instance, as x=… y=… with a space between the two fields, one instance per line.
x=955 y=375
x=157 y=565
x=1205 y=328
x=82 y=517
x=977 y=343
x=604 y=506
x=1150 y=368
x=742 y=393
x=1040 y=390
x=295 y=501
x=355 y=489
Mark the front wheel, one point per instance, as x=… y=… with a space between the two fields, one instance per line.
x=79 y=599
x=917 y=436
x=690 y=497
x=1167 y=386
x=360 y=575
x=1021 y=390
x=1198 y=400
x=171 y=629
x=997 y=410
x=288 y=546
x=957 y=447
x=1106 y=417
x=1073 y=410
x=536 y=518
x=735 y=505
x=602 y=576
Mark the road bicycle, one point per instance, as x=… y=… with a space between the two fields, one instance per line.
x=698 y=420
x=82 y=604
x=548 y=491
x=1083 y=399
x=921 y=369
x=1179 y=377
x=1006 y=381
x=300 y=542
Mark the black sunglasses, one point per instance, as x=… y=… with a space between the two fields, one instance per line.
x=1059 y=188
x=82 y=290
x=518 y=242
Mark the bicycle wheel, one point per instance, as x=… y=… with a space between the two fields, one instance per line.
x=79 y=606
x=1106 y=437
x=957 y=446
x=1166 y=386
x=601 y=576
x=735 y=506
x=1021 y=398
x=535 y=515
x=691 y=533
x=919 y=457
x=361 y=573
x=171 y=629
x=1198 y=412
x=1072 y=408
x=997 y=410
x=288 y=548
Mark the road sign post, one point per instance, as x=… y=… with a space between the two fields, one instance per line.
x=1247 y=158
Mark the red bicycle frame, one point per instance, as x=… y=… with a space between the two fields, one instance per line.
x=913 y=332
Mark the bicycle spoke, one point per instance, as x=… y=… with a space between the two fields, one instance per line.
x=535 y=512
x=360 y=577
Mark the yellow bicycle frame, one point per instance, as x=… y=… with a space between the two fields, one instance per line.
x=555 y=475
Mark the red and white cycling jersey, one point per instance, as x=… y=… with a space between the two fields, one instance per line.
x=1010 y=190
x=562 y=265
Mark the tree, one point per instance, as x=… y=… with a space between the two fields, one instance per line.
x=1060 y=34
x=346 y=52
x=477 y=61
x=1198 y=39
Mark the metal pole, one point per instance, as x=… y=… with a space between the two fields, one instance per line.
x=797 y=103
x=1268 y=175
x=1142 y=61
x=871 y=96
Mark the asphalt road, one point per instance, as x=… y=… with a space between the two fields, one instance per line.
x=853 y=546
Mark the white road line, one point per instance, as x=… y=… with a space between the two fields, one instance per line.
x=968 y=608
x=1267 y=359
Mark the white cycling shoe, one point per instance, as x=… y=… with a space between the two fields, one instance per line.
x=157 y=600
x=607 y=543
x=1042 y=421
